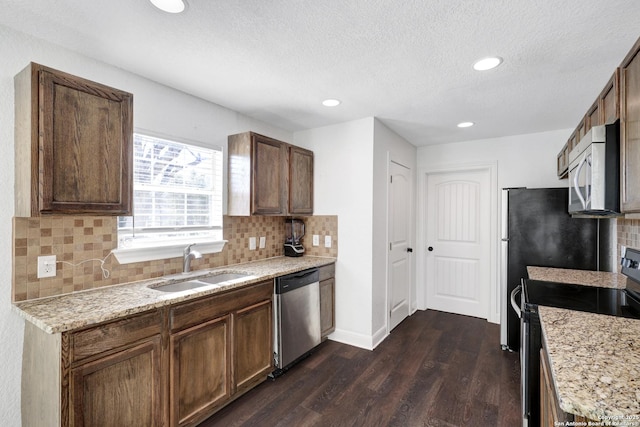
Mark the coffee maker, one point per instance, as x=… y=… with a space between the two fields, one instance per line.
x=294 y=231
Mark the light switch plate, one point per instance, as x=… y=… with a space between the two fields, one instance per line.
x=252 y=243
x=327 y=241
x=316 y=240
x=263 y=242
x=46 y=266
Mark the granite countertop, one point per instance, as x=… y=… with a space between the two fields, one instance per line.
x=595 y=364
x=80 y=309
x=603 y=279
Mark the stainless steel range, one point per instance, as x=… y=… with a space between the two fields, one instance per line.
x=608 y=301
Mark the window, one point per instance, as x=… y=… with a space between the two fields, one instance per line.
x=177 y=195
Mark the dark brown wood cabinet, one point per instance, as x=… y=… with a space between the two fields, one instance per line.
x=174 y=366
x=630 y=131
x=551 y=415
x=610 y=100
x=115 y=374
x=604 y=110
x=593 y=115
x=550 y=411
x=252 y=345
x=221 y=347
x=300 y=181
x=268 y=177
x=200 y=370
x=73 y=145
x=563 y=161
x=327 y=300
x=121 y=389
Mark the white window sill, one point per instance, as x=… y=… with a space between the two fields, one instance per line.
x=131 y=255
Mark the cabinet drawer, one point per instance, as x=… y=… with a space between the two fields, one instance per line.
x=210 y=307
x=327 y=271
x=111 y=336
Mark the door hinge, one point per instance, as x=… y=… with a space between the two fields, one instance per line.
x=391 y=179
x=390 y=246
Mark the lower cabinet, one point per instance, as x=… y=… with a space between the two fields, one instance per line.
x=252 y=345
x=173 y=366
x=122 y=389
x=551 y=415
x=327 y=300
x=221 y=347
x=200 y=370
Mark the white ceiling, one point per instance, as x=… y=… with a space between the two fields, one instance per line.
x=407 y=62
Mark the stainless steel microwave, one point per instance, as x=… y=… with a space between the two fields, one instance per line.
x=594 y=172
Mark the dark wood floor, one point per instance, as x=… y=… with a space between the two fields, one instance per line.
x=435 y=369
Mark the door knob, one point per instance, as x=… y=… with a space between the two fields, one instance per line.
x=409 y=249
x=430 y=248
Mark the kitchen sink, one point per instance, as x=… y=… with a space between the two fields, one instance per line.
x=217 y=279
x=223 y=277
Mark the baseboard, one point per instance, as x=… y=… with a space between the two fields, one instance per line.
x=379 y=336
x=352 y=338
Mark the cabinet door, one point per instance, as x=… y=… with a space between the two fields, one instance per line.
x=270 y=178
x=327 y=306
x=300 y=181
x=610 y=100
x=593 y=115
x=200 y=370
x=122 y=389
x=580 y=131
x=253 y=345
x=630 y=131
x=85 y=146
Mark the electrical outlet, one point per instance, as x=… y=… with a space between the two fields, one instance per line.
x=316 y=240
x=252 y=243
x=327 y=241
x=263 y=242
x=46 y=266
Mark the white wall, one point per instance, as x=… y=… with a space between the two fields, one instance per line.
x=351 y=164
x=522 y=161
x=387 y=146
x=156 y=107
x=343 y=187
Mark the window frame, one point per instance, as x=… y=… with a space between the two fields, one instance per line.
x=174 y=247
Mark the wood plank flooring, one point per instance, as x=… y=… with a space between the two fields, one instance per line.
x=435 y=369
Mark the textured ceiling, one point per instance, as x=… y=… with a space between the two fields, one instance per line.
x=406 y=62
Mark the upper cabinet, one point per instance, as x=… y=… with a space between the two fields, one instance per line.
x=268 y=177
x=73 y=145
x=604 y=110
x=300 y=181
x=630 y=131
x=610 y=100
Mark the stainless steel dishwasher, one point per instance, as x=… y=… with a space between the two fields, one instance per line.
x=296 y=317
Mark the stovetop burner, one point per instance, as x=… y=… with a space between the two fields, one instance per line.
x=609 y=301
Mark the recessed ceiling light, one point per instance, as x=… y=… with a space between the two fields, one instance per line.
x=487 y=63
x=169 y=6
x=465 y=124
x=331 y=102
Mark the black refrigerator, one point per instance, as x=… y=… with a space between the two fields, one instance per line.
x=538 y=231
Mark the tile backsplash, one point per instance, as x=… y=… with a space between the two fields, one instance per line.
x=85 y=240
x=628 y=235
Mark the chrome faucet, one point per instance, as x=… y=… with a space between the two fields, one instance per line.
x=188 y=255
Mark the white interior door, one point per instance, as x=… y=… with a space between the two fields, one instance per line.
x=399 y=268
x=458 y=224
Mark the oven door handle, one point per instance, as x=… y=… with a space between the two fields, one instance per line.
x=514 y=304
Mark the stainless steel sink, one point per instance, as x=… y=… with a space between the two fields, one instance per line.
x=223 y=277
x=217 y=279
x=181 y=286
